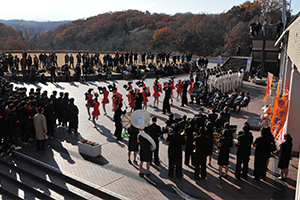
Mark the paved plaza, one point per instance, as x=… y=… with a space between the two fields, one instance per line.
x=112 y=172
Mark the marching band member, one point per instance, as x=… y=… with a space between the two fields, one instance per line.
x=131 y=96
x=96 y=111
x=89 y=100
x=157 y=89
x=102 y=90
x=146 y=94
x=173 y=87
x=179 y=90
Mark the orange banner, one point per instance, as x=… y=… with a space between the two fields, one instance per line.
x=278 y=88
x=270 y=77
x=279 y=115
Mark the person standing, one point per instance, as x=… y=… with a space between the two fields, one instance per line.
x=155 y=132
x=96 y=111
x=166 y=103
x=145 y=155
x=184 y=93
x=133 y=143
x=89 y=99
x=72 y=113
x=189 y=132
x=157 y=90
x=243 y=142
x=40 y=127
x=262 y=147
x=175 y=141
x=71 y=61
x=118 y=121
x=224 y=145
x=285 y=156
x=202 y=143
x=50 y=116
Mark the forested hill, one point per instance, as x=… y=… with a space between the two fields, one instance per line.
x=133 y=30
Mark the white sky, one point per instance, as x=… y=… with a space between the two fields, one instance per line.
x=56 y=10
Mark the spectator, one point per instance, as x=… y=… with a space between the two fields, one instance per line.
x=40 y=127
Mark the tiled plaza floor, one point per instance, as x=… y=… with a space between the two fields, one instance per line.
x=112 y=171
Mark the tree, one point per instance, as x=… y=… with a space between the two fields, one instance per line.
x=162 y=37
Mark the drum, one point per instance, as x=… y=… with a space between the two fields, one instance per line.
x=126 y=120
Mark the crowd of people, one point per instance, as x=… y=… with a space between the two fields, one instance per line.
x=28 y=115
x=25 y=117
x=266 y=29
x=201 y=139
x=83 y=64
x=200 y=133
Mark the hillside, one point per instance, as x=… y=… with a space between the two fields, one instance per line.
x=133 y=30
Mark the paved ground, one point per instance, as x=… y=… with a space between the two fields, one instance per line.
x=112 y=171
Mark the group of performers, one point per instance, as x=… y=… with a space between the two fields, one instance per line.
x=222 y=79
x=138 y=98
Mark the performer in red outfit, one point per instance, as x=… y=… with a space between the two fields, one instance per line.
x=128 y=87
x=157 y=89
x=173 y=87
x=179 y=90
x=89 y=101
x=191 y=88
x=96 y=111
x=115 y=103
x=145 y=93
x=131 y=96
x=102 y=90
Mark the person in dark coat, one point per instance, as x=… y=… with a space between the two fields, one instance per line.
x=202 y=143
x=166 y=103
x=13 y=127
x=243 y=142
x=50 y=116
x=24 y=117
x=59 y=108
x=224 y=145
x=145 y=155
x=132 y=143
x=175 y=141
x=285 y=156
x=72 y=116
x=138 y=101
x=189 y=147
x=118 y=121
x=185 y=86
x=209 y=131
x=154 y=131
x=219 y=123
x=64 y=105
x=262 y=147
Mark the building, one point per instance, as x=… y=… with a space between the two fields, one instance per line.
x=289 y=43
x=290 y=74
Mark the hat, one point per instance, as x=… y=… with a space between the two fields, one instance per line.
x=140 y=118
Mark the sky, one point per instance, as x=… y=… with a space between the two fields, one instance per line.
x=57 y=10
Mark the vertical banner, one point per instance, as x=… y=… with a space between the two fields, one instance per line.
x=278 y=88
x=270 y=78
x=279 y=116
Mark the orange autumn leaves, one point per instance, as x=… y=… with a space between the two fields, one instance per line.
x=162 y=37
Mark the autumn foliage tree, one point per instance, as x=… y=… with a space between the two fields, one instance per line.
x=162 y=37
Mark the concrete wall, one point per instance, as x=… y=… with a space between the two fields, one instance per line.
x=297 y=197
x=293 y=125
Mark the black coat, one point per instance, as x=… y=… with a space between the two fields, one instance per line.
x=133 y=136
x=72 y=113
x=154 y=131
x=244 y=145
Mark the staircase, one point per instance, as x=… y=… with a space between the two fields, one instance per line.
x=23 y=177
